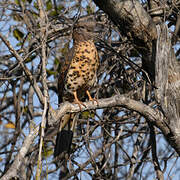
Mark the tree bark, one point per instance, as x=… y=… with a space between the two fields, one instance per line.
x=158 y=58
x=135 y=23
x=168 y=82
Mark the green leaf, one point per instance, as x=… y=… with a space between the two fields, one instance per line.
x=17 y=17
x=56 y=61
x=50 y=72
x=53 y=13
x=60 y=7
x=65 y=49
x=87 y=114
x=29 y=59
x=49 y=5
x=89 y=9
x=18 y=1
x=18 y=34
x=19 y=44
x=36 y=5
x=25 y=109
x=48 y=152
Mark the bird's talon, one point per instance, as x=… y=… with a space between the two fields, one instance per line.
x=77 y=101
x=96 y=101
x=91 y=99
x=79 y=104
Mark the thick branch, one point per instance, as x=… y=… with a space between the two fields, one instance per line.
x=13 y=170
x=152 y=115
x=168 y=81
x=135 y=23
x=131 y=18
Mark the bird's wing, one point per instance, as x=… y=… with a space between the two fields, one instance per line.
x=64 y=136
x=64 y=66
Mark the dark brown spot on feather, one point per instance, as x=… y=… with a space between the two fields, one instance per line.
x=85 y=79
x=87 y=51
x=82 y=57
x=68 y=86
x=70 y=75
x=75 y=72
x=77 y=59
x=72 y=67
x=87 y=61
x=71 y=79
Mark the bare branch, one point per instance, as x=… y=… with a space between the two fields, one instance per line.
x=12 y=171
x=43 y=38
x=26 y=71
x=153 y=115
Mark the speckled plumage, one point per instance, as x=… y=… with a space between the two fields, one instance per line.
x=80 y=68
x=81 y=74
x=78 y=75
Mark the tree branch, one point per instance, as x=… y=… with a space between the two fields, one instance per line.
x=43 y=38
x=152 y=115
x=25 y=69
x=136 y=24
x=13 y=170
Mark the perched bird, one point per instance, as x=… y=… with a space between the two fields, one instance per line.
x=78 y=75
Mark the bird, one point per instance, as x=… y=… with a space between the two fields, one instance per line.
x=77 y=76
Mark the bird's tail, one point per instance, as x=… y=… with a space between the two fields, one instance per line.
x=64 y=136
x=63 y=142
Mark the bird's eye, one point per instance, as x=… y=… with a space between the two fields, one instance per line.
x=81 y=27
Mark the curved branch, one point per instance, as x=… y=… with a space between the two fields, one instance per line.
x=136 y=24
x=152 y=115
x=13 y=170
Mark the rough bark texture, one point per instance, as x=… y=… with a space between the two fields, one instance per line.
x=134 y=22
x=132 y=132
x=168 y=82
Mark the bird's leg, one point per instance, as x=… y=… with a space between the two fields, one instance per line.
x=90 y=98
x=77 y=100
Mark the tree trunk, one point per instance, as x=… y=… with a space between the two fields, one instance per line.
x=167 y=81
x=135 y=23
x=158 y=59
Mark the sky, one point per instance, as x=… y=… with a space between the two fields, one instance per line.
x=54 y=102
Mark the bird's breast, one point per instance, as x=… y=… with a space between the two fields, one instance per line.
x=83 y=68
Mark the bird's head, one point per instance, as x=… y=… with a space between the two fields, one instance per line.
x=85 y=30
